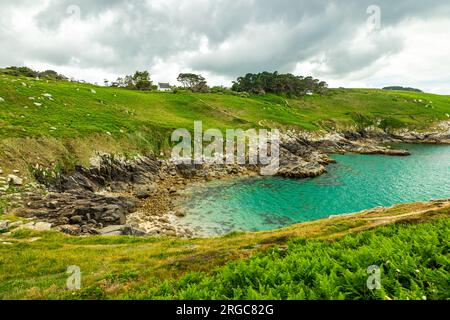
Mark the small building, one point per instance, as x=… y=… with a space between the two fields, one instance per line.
x=309 y=93
x=164 y=86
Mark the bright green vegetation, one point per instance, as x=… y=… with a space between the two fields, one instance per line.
x=3 y=205
x=80 y=118
x=278 y=83
x=33 y=265
x=76 y=112
x=414 y=262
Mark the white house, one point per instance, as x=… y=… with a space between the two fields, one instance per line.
x=164 y=86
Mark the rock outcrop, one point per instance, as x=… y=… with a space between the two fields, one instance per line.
x=306 y=145
x=112 y=173
x=90 y=211
x=439 y=134
x=121 y=230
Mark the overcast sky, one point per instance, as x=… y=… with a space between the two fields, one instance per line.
x=345 y=43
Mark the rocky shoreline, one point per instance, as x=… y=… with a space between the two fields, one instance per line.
x=120 y=196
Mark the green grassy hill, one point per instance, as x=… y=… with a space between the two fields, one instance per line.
x=74 y=118
x=77 y=111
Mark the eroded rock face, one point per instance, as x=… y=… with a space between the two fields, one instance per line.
x=341 y=143
x=115 y=174
x=439 y=134
x=88 y=210
x=87 y=201
x=302 y=164
x=303 y=156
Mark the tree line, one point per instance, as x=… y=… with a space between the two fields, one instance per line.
x=252 y=83
x=140 y=80
x=289 y=84
x=400 y=88
x=30 y=73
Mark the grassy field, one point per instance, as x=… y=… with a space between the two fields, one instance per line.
x=75 y=111
x=53 y=120
x=33 y=265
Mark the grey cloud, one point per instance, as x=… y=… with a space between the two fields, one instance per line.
x=262 y=34
x=326 y=27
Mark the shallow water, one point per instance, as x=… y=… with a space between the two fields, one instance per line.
x=355 y=183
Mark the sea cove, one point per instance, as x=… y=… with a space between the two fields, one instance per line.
x=356 y=182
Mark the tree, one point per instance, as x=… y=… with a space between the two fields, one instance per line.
x=402 y=88
x=51 y=74
x=27 y=72
x=128 y=83
x=118 y=83
x=22 y=71
x=193 y=82
x=141 y=81
x=202 y=86
x=288 y=84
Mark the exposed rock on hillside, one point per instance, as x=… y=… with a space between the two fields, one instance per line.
x=91 y=211
x=439 y=134
x=116 y=174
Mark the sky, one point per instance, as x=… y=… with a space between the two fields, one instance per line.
x=351 y=43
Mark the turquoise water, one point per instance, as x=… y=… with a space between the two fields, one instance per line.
x=355 y=183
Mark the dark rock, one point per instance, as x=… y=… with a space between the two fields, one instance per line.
x=179 y=212
x=73 y=230
x=76 y=219
x=112 y=230
x=121 y=230
x=114 y=172
x=52 y=205
x=83 y=206
x=172 y=190
x=143 y=192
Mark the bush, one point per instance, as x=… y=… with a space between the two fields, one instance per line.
x=30 y=73
x=220 y=90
